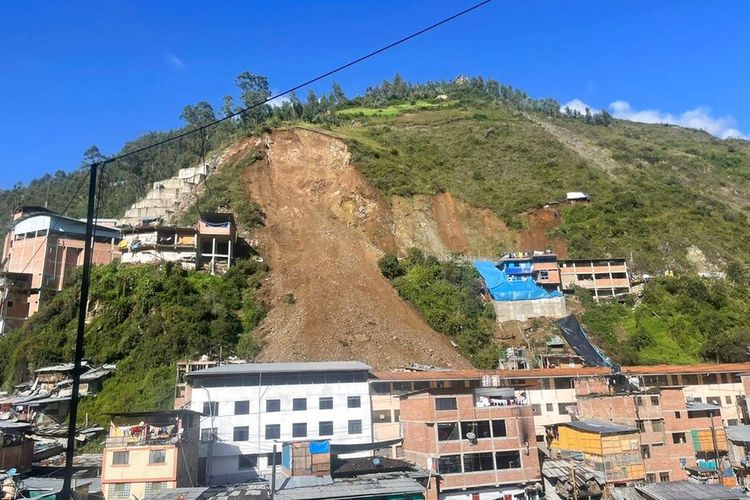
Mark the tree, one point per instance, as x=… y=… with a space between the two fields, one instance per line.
x=227 y=108
x=254 y=91
x=92 y=155
x=338 y=98
x=296 y=105
x=310 y=108
x=390 y=266
x=199 y=115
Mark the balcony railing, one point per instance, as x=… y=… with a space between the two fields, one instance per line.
x=134 y=441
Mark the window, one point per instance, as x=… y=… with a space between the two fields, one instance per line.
x=397 y=415
x=650 y=477
x=536 y=409
x=683 y=463
x=355 y=427
x=641 y=426
x=564 y=383
x=657 y=425
x=299 y=404
x=544 y=274
x=419 y=386
x=325 y=403
x=381 y=416
x=678 y=438
x=639 y=401
x=664 y=477
x=645 y=451
x=119 y=490
x=273 y=431
x=353 y=402
x=474 y=462
x=157 y=456
x=401 y=387
x=508 y=459
x=677 y=414
x=690 y=379
x=498 y=428
x=380 y=388
x=728 y=399
x=562 y=408
x=447 y=431
x=445 y=404
x=449 y=464
x=154 y=488
x=242 y=407
x=299 y=430
x=550 y=407
x=211 y=408
x=208 y=434
x=273 y=405
x=654 y=400
x=120 y=458
x=714 y=400
x=325 y=428
x=270 y=458
x=481 y=429
x=241 y=433
x=245 y=462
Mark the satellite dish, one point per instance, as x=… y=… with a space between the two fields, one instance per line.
x=471 y=436
x=376 y=461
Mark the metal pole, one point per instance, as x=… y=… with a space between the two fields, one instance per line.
x=273 y=472
x=65 y=493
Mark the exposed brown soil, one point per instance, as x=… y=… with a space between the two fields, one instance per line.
x=540 y=222
x=325 y=229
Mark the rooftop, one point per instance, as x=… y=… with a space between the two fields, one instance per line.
x=398 y=376
x=156 y=413
x=251 y=368
x=696 y=406
x=600 y=427
x=367 y=486
x=684 y=490
x=738 y=433
x=368 y=465
x=705 y=369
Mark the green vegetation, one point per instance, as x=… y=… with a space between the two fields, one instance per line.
x=446 y=294
x=678 y=320
x=145 y=319
x=396 y=109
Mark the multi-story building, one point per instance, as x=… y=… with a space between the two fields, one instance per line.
x=479 y=441
x=674 y=434
x=605 y=278
x=209 y=245
x=251 y=407
x=717 y=384
x=147 y=452
x=44 y=246
x=609 y=448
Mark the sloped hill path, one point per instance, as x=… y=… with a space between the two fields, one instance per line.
x=325 y=229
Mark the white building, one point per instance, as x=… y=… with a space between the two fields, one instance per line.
x=249 y=407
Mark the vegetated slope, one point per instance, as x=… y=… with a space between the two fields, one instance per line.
x=657 y=191
x=145 y=319
x=325 y=228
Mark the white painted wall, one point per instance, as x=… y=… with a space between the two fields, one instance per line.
x=224 y=456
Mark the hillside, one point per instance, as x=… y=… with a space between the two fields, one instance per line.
x=329 y=188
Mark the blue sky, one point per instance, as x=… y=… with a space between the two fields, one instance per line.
x=73 y=74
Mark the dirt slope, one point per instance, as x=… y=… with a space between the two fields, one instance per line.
x=325 y=229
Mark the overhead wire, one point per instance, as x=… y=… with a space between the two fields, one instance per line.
x=304 y=84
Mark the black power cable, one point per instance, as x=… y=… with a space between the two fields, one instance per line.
x=305 y=84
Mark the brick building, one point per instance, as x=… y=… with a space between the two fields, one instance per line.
x=480 y=442
x=674 y=434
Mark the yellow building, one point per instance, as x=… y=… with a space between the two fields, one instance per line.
x=147 y=452
x=609 y=448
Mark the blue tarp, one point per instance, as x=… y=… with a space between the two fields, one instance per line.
x=317 y=447
x=503 y=289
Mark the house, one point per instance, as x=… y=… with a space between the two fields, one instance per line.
x=253 y=406
x=738 y=440
x=605 y=278
x=478 y=442
x=45 y=246
x=608 y=448
x=16 y=448
x=209 y=245
x=675 y=434
x=149 y=451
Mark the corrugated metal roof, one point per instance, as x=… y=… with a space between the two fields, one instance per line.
x=600 y=427
x=684 y=490
x=353 y=488
x=184 y=493
x=705 y=368
x=739 y=433
x=696 y=406
x=311 y=366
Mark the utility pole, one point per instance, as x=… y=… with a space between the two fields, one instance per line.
x=65 y=493
x=719 y=474
x=573 y=480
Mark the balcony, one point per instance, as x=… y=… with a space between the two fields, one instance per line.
x=136 y=441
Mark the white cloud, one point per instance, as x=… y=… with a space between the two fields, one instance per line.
x=577 y=105
x=700 y=118
x=278 y=101
x=174 y=61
